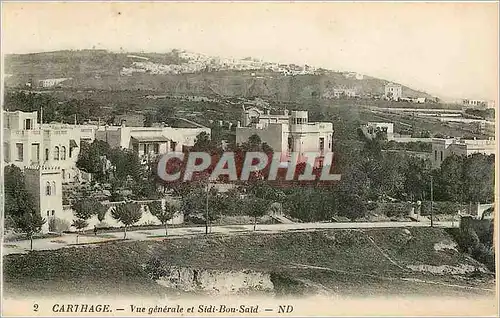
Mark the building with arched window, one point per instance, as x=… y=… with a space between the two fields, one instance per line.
x=48 y=188
x=28 y=143
x=442 y=148
x=45 y=184
x=287 y=132
x=56 y=153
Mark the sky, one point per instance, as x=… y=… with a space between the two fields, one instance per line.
x=446 y=49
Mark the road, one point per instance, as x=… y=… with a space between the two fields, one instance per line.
x=69 y=240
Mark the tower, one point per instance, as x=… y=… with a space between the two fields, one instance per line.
x=45 y=185
x=298 y=130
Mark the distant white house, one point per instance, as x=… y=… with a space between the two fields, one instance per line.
x=479 y=103
x=442 y=148
x=393 y=91
x=51 y=82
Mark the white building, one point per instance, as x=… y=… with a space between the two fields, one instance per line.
x=393 y=91
x=51 y=82
x=27 y=143
x=45 y=184
x=150 y=141
x=442 y=148
x=286 y=132
x=478 y=103
x=341 y=92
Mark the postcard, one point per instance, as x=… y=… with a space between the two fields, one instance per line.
x=238 y=159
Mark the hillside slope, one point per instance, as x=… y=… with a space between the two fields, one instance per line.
x=336 y=262
x=99 y=69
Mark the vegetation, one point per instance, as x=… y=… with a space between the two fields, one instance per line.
x=164 y=214
x=30 y=223
x=128 y=214
x=83 y=210
x=119 y=267
x=20 y=208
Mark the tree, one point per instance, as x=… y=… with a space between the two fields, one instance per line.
x=83 y=210
x=128 y=214
x=18 y=200
x=257 y=207
x=450 y=178
x=416 y=178
x=203 y=142
x=163 y=214
x=30 y=223
x=79 y=224
x=479 y=178
x=90 y=158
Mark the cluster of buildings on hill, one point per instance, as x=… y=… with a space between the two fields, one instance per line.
x=441 y=147
x=194 y=63
x=48 y=152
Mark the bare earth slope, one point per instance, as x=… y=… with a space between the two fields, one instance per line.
x=418 y=261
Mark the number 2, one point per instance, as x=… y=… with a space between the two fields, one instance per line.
x=35 y=307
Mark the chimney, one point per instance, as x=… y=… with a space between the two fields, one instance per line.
x=238 y=124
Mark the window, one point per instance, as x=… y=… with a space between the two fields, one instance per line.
x=56 y=153
x=173 y=145
x=27 y=124
x=46 y=154
x=290 y=144
x=6 y=151
x=63 y=174
x=48 y=212
x=35 y=152
x=156 y=148
x=435 y=155
x=63 y=153
x=441 y=156
x=47 y=188
x=20 y=152
x=321 y=144
x=53 y=188
x=53 y=212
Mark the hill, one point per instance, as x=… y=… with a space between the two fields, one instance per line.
x=183 y=73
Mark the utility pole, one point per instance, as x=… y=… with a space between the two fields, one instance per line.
x=42 y=150
x=206 y=212
x=432 y=204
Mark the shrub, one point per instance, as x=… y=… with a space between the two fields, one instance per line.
x=444 y=207
x=394 y=209
x=370 y=206
x=58 y=225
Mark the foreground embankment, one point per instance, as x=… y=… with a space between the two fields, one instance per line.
x=345 y=262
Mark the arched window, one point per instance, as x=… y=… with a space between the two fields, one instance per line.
x=63 y=153
x=56 y=153
x=53 y=188
x=46 y=154
x=48 y=190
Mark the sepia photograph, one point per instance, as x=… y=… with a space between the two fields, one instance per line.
x=249 y=158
